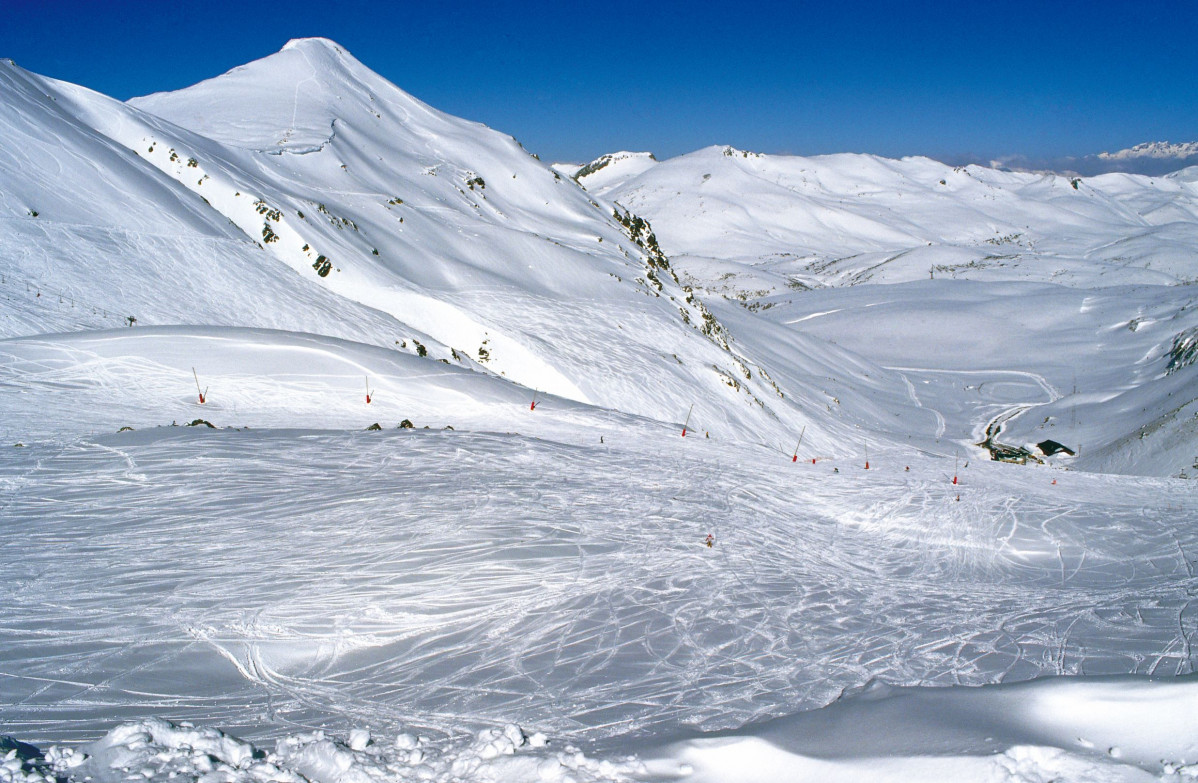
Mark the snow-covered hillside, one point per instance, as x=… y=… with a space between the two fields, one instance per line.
x=357 y=212
x=950 y=248
x=748 y=224
x=337 y=425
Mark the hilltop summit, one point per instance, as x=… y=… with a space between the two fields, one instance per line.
x=290 y=100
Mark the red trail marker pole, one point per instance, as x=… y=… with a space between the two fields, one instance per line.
x=688 y=419
x=955 y=466
x=201 y=393
x=533 y=406
x=368 y=392
x=867 y=456
x=795 y=458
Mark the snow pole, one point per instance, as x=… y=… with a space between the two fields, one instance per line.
x=867 y=455
x=956 y=465
x=533 y=405
x=795 y=458
x=203 y=393
x=688 y=419
x=368 y=392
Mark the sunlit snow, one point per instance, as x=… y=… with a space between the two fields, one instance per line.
x=261 y=585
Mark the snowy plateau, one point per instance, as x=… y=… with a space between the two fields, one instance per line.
x=726 y=467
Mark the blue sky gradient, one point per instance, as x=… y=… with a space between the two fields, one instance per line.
x=572 y=80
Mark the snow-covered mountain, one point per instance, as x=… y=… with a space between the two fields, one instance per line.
x=771 y=231
x=613 y=168
x=848 y=219
x=286 y=254
x=354 y=211
x=1155 y=149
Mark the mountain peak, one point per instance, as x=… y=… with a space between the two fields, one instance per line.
x=312 y=43
x=614 y=167
x=284 y=101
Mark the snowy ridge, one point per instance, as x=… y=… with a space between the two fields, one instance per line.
x=839 y=220
x=615 y=167
x=768 y=230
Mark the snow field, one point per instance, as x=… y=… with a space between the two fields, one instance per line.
x=485 y=576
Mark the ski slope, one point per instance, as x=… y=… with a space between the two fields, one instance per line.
x=286 y=573
x=286 y=525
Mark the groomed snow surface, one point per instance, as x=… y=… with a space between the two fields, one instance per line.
x=260 y=586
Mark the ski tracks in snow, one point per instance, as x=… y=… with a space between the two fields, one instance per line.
x=453 y=579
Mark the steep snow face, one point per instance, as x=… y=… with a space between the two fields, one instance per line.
x=94 y=233
x=47 y=145
x=849 y=219
x=292 y=101
x=458 y=201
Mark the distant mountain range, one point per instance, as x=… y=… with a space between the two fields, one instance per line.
x=1153 y=159
x=1158 y=150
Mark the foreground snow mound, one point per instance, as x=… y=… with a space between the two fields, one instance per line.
x=158 y=750
x=1061 y=729
x=1105 y=730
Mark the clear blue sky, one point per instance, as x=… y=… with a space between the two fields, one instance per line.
x=573 y=79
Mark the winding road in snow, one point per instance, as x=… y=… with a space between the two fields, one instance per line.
x=981 y=428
